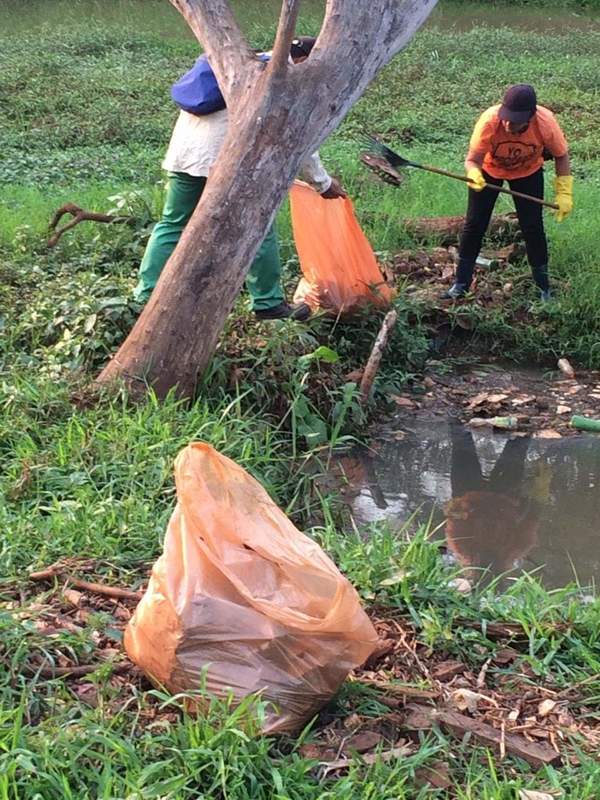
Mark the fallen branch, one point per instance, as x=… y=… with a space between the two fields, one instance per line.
x=76 y=671
x=510 y=631
x=538 y=755
x=79 y=215
x=446 y=230
x=376 y=355
x=94 y=588
x=413 y=692
x=496 y=631
x=101 y=588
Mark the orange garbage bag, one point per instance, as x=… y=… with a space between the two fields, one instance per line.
x=341 y=273
x=241 y=593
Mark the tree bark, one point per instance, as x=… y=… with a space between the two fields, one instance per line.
x=278 y=114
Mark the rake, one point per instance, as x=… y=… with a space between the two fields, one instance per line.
x=374 y=147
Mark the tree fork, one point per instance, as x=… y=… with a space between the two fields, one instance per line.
x=278 y=114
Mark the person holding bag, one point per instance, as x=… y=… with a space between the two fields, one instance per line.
x=195 y=144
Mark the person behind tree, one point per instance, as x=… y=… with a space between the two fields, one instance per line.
x=195 y=143
x=510 y=142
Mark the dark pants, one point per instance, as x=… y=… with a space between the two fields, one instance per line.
x=465 y=470
x=479 y=212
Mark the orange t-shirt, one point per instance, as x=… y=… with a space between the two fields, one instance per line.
x=511 y=155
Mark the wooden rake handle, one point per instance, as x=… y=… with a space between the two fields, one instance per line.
x=489 y=185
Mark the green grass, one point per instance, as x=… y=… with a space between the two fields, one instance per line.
x=86 y=117
x=55 y=746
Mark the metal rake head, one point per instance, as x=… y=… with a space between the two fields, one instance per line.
x=377 y=148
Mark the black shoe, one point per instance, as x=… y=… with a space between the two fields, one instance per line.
x=300 y=312
x=455 y=292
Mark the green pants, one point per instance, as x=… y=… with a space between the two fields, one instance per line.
x=183 y=193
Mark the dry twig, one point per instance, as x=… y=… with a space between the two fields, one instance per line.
x=95 y=588
x=79 y=215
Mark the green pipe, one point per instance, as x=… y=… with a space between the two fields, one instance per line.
x=585 y=424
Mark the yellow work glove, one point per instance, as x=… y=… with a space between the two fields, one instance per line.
x=477 y=181
x=563 y=187
x=539 y=488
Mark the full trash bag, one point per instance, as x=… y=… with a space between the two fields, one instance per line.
x=341 y=273
x=241 y=593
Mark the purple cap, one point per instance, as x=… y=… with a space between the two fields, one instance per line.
x=519 y=104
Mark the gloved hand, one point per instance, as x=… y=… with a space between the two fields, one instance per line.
x=477 y=181
x=563 y=187
x=538 y=489
x=335 y=191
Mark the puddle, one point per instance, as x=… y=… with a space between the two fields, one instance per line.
x=507 y=504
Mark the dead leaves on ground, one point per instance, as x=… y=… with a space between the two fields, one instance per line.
x=537 y=405
x=500 y=704
x=72 y=633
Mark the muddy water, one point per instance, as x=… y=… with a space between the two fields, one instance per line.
x=503 y=505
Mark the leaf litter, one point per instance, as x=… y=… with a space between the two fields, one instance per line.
x=415 y=688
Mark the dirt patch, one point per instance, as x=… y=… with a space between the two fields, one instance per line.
x=532 y=401
x=502 y=396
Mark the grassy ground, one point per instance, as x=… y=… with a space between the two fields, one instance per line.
x=86 y=118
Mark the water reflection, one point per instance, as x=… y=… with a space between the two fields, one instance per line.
x=501 y=502
x=491 y=521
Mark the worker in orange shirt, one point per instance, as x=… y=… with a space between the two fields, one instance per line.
x=510 y=142
x=492 y=521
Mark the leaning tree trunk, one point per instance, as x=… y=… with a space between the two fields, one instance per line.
x=278 y=114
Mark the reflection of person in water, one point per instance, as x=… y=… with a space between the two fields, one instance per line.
x=491 y=521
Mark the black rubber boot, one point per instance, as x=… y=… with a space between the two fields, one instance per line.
x=299 y=313
x=540 y=276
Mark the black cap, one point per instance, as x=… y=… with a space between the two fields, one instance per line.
x=519 y=104
x=301 y=46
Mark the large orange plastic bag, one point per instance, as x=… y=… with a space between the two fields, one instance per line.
x=241 y=592
x=341 y=273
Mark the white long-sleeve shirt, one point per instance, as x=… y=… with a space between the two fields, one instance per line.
x=196 y=141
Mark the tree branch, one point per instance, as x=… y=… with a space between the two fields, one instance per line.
x=386 y=27
x=95 y=588
x=76 y=671
x=285 y=33
x=376 y=355
x=79 y=215
x=226 y=47
x=396 y=23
